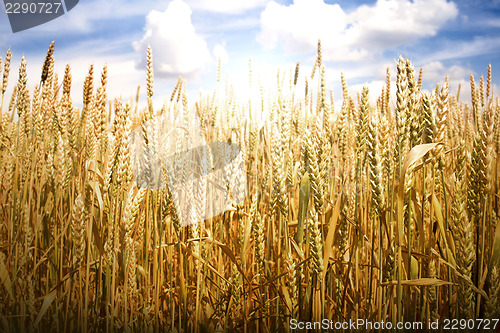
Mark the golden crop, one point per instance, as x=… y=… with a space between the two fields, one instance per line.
x=382 y=212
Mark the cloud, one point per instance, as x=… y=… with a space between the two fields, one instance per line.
x=220 y=53
x=435 y=71
x=495 y=89
x=122 y=76
x=226 y=6
x=177 y=49
x=390 y=23
x=469 y=48
x=374 y=90
x=299 y=26
x=493 y=23
x=86 y=14
x=366 y=31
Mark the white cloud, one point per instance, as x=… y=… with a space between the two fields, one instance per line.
x=123 y=78
x=226 y=6
x=299 y=26
x=435 y=71
x=366 y=31
x=495 y=89
x=220 y=53
x=390 y=23
x=493 y=23
x=230 y=24
x=83 y=17
x=374 y=90
x=177 y=49
x=469 y=48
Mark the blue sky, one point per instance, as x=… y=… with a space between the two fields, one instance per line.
x=359 y=38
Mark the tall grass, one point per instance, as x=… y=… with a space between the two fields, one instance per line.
x=383 y=212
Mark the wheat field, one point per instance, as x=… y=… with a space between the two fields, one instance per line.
x=383 y=212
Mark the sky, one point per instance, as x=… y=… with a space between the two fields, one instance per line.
x=359 y=38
